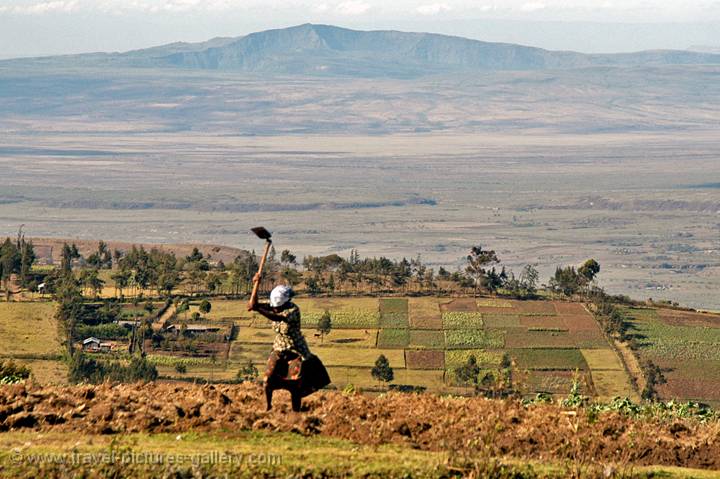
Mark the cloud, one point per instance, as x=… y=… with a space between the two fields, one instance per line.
x=433 y=8
x=532 y=6
x=352 y=7
x=39 y=8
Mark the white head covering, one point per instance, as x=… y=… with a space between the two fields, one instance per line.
x=280 y=295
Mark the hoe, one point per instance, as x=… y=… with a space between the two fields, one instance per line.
x=264 y=234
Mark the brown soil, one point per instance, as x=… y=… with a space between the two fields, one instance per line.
x=424 y=359
x=460 y=305
x=429 y=422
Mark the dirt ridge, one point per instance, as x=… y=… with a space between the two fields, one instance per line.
x=427 y=422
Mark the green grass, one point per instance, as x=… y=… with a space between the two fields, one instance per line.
x=464 y=339
x=678 y=342
x=393 y=338
x=568 y=359
x=427 y=339
x=460 y=320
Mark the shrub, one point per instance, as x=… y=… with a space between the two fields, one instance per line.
x=11 y=372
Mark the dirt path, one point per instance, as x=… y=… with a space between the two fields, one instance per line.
x=163 y=318
x=631 y=363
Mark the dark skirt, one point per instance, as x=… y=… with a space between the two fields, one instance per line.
x=287 y=370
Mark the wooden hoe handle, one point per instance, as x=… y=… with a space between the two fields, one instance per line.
x=256 y=284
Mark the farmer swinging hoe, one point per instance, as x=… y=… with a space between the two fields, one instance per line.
x=291 y=365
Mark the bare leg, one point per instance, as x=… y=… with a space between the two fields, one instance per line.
x=268 y=394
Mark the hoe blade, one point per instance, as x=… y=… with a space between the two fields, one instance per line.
x=261 y=232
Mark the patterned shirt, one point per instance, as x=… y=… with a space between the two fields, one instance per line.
x=289 y=336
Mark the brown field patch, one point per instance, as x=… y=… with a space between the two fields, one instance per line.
x=424 y=313
x=569 y=308
x=580 y=322
x=542 y=322
x=424 y=359
x=534 y=307
x=688 y=318
x=518 y=338
x=459 y=305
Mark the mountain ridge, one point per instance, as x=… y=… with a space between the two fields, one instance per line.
x=316 y=49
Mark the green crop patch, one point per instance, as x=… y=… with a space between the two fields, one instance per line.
x=568 y=359
x=458 y=357
x=465 y=339
x=393 y=338
x=415 y=359
x=394 y=320
x=519 y=338
x=393 y=305
x=351 y=319
x=427 y=339
x=462 y=320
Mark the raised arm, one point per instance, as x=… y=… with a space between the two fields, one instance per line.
x=268 y=312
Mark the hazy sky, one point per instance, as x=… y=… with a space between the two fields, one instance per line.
x=30 y=27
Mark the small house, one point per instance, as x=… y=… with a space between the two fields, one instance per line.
x=93 y=344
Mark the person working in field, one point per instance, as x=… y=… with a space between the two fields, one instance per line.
x=291 y=365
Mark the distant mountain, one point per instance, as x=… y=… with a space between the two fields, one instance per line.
x=704 y=49
x=333 y=51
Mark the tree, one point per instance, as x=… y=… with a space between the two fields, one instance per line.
x=10 y=263
x=477 y=261
x=528 y=279
x=68 y=255
x=287 y=258
x=382 y=370
x=205 y=306
x=589 y=270
x=70 y=303
x=653 y=377
x=248 y=372
x=324 y=325
x=468 y=372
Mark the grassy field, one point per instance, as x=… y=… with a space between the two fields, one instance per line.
x=28 y=329
x=271 y=454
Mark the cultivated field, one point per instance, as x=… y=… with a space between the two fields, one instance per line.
x=550 y=344
x=686 y=346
